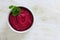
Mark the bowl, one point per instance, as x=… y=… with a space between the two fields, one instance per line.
x=16 y=26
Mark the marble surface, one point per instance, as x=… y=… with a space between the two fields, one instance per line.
x=46 y=20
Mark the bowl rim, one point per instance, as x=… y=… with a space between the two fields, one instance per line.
x=25 y=30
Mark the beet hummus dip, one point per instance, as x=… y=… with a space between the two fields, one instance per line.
x=23 y=21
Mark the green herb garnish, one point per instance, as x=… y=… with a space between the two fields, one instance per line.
x=15 y=10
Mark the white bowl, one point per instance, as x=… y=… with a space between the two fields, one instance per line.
x=21 y=31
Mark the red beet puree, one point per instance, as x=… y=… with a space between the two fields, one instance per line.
x=23 y=21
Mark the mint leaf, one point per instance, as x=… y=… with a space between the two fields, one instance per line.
x=10 y=6
x=15 y=10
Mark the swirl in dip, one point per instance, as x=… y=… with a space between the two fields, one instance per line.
x=23 y=21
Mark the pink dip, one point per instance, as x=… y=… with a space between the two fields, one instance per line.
x=23 y=21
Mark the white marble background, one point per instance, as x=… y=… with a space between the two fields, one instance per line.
x=46 y=15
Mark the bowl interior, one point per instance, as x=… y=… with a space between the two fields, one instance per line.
x=13 y=24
